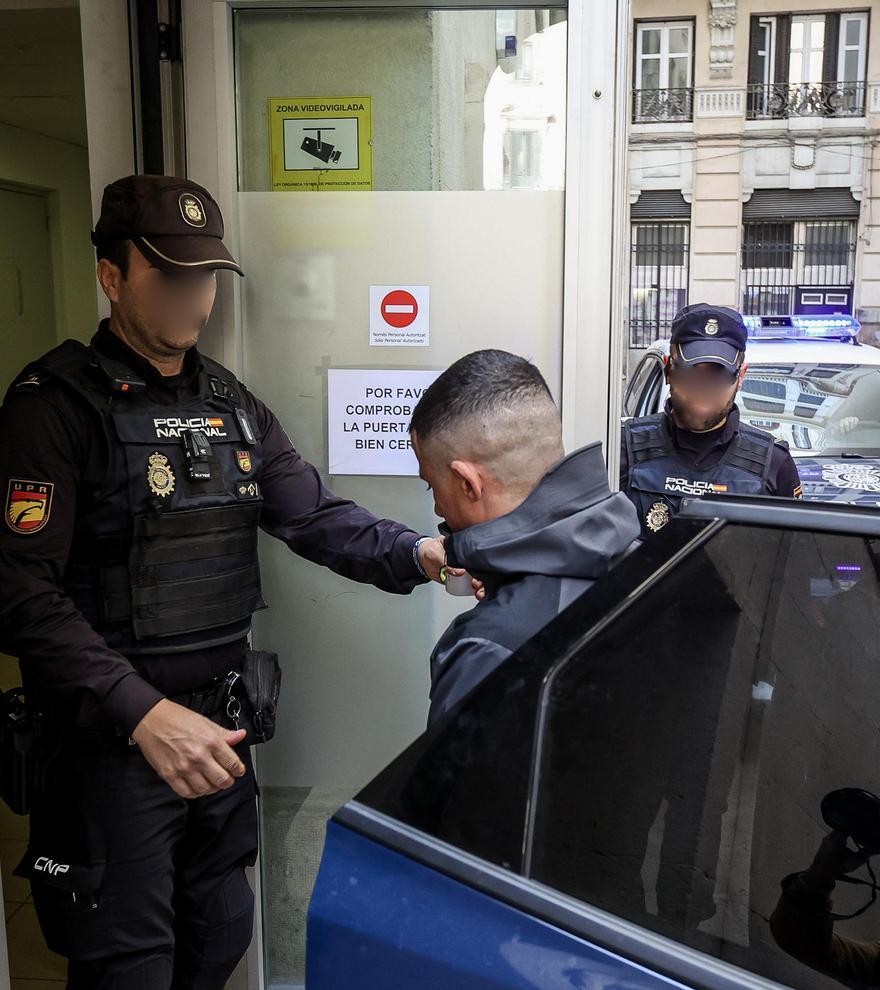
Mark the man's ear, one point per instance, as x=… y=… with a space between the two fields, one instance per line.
x=742 y=375
x=110 y=277
x=469 y=479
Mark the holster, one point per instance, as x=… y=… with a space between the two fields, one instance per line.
x=18 y=756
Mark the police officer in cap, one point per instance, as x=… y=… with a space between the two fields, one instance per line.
x=698 y=445
x=136 y=473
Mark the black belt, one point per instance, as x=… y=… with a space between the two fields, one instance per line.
x=213 y=697
x=222 y=696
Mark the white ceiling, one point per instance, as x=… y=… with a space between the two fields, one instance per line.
x=41 y=76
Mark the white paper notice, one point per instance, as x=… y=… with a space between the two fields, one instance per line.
x=368 y=414
x=400 y=315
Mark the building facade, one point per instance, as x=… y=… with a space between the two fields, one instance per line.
x=753 y=173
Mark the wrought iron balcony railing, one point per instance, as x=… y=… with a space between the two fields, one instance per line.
x=661 y=105
x=825 y=99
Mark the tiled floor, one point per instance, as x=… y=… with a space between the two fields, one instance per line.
x=31 y=965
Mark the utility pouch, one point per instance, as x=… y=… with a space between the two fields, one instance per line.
x=261 y=676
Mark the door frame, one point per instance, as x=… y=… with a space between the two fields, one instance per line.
x=595 y=276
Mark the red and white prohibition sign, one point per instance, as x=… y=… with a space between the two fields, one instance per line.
x=400 y=315
x=399 y=309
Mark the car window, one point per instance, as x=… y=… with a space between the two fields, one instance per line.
x=685 y=752
x=466 y=780
x=653 y=389
x=635 y=393
x=816 y=409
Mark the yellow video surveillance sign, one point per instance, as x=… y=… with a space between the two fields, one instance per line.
x=321 y=143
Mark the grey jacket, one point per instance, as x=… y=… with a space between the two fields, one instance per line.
x=534 y=562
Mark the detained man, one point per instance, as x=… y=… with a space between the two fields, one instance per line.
x=536 y=527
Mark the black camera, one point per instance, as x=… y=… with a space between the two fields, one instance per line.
x=856 y=813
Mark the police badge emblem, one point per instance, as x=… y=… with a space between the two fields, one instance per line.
x=657 y=517
x=711 y=327
x=159 y=475
x=243 y=459
x=192 y=210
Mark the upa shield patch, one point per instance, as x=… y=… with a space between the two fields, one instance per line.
x=28 y=505
x=243 y=458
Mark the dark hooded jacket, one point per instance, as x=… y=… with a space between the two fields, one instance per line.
x=534 y=562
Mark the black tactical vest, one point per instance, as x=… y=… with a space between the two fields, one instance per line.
x=659 y=477
x=164 y=553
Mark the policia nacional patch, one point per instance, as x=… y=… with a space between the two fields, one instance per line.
x=28 y=505
x=657 y=517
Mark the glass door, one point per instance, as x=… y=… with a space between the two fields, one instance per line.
x=409 y=165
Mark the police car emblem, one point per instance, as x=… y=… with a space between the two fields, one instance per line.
x=862 y=478
x=159 y=475
x=192 y=210
x=711 y=327
x=243 y=459
x=657 y=517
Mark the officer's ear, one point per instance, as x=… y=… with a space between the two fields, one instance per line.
x=667 y=360
x=741 y=376
x=110 y=276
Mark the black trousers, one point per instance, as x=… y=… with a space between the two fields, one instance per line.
x=138 y=888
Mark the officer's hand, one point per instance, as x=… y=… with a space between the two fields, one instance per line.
x=432 y=557
x=192 y=754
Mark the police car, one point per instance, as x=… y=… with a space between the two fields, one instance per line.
x=811 y=383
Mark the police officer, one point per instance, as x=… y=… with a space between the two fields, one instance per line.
x=698 y=445
x=136 y=473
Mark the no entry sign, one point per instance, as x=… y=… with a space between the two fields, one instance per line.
x=399 y=309
x=399 y=315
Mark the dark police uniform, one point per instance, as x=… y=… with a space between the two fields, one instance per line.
x=128 y=563
x=661 y=464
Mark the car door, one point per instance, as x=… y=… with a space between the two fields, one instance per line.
x=625 y=800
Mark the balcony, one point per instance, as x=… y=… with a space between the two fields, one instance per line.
x=654 y=106
x=779 y=101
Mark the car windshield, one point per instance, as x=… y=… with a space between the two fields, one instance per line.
x=829 y=409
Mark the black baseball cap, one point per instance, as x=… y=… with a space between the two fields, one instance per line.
x=175 y=223
x=710 y=334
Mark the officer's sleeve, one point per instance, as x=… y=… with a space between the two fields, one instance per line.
x=624 y=463
x=41 y=456
x=784 y=480
x=302 y=512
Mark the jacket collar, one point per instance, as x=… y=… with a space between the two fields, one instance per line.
x=108 y=344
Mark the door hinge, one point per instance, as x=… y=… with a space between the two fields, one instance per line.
x=169 y=42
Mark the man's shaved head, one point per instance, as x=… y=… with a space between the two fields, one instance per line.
x=491 y=409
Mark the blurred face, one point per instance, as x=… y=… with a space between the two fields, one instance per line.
x=702 y=395
x=161 y=315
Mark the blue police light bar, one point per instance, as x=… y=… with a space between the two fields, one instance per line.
x=802 y=327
